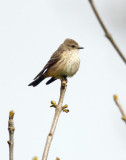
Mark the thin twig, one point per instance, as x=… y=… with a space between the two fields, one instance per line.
x=58 y=110
x=120 y=107
x=107 y=34
x=11 y=134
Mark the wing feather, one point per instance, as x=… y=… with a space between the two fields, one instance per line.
x=54 y=59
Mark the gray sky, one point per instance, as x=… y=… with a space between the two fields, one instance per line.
x=30 y=31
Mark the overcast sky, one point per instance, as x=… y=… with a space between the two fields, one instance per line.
x=30 y=31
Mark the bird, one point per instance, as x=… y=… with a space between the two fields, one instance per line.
x=63 y=63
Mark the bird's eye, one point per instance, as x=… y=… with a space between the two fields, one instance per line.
x=73 y=46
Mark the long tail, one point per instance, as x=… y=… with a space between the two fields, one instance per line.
x=37 y=81
x=50 y=81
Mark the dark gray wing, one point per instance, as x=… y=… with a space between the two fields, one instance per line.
x=54 y=59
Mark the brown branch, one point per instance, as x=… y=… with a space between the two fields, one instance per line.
x=120 y=107
x=58 y=110
x=11 y=134
x=107 y=34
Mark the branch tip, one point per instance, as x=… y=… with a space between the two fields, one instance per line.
x=35 y=158
x=11 y=130
x=120 y=107
x=115 y=97
x=124 y=118
x=63 y=83
x=11 y=114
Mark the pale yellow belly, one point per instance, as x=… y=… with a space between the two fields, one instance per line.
x=67 y=66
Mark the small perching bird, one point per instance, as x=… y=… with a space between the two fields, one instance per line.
x=63 y=63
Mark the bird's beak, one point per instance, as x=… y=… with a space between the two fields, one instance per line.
x=80 y=47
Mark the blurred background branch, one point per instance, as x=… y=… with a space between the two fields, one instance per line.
x=35 y=158
x=107 y=34
x=11 y=130
x=120 y=107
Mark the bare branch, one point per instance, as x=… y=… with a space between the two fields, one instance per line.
x=58 y=109
x=120 y=107
x=108 y=35
x=11 y=130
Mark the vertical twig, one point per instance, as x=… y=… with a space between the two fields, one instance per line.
x=58 y=110
x=120 y=107
x=108 y=35
x=11 y=134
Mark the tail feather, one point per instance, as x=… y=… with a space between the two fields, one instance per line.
x=37 y=81
x=50 y=81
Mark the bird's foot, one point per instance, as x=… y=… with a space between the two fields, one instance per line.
x=64 y=108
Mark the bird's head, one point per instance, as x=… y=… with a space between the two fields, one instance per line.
x=71 y=44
